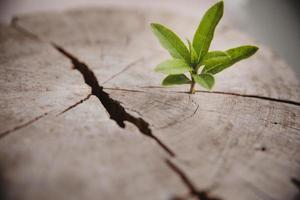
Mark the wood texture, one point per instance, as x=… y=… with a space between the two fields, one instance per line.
x=62 y=134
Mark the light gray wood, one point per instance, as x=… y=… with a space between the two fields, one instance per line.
x=79 y=154
x=133 y=40
x=240 y=141
x=34 y=79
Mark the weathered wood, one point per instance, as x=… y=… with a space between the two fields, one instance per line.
x=65 y=156
x=34 y=79
x=128 y=38
x=239 y=142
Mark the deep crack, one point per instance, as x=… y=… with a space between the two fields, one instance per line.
x=194 y=192
x=296 y=182
x=118 y=114
x=115 y=110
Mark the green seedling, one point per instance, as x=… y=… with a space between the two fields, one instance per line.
x=196 y=56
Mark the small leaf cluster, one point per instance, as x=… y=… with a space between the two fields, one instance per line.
x=196 y=56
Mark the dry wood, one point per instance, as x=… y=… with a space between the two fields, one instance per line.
x=107 y=130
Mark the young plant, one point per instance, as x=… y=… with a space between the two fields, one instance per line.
x=197 y=56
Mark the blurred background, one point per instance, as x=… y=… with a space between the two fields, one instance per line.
x=274 y=23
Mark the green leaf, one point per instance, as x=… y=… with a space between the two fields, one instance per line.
x=171 y=42
x=214 y=54
x=235 y=54
x=174 y=66
x=193 y=54
x=205 y=80
x=205 y=31
x=178 y=79
x=214 y=59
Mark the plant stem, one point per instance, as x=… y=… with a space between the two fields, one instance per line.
x=192 y=90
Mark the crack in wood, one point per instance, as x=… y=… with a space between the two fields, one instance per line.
x=135 y=111
x=296 y=182
x=253 y=96
x=116 y=111
x=14 y=24
x=286 y=101
x=74 y=105
x=124 y=89
x=164 y=126
x=5 y=133
x=217 y=92
x=296 y=103
x=123 y=70
x=113 y=107
x=193 y=191
x=143 y=126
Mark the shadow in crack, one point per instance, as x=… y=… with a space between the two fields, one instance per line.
x=193 y=191
x=115 y=110
x=3 y=186
x=296 y=182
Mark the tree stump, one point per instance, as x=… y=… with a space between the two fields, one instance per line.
x=83 y=115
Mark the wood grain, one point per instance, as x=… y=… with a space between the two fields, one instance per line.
x=84 y=117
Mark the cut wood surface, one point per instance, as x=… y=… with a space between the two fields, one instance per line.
x=83 y=115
